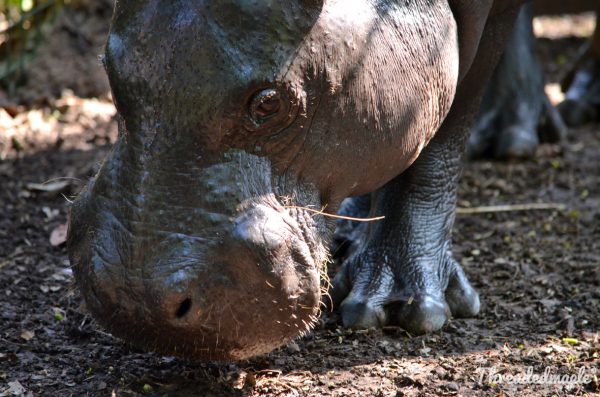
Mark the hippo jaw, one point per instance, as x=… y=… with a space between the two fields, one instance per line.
x=226 y=282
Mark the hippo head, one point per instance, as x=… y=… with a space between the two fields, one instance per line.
x=236 y=119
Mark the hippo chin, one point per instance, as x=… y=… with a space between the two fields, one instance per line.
x=238 y=120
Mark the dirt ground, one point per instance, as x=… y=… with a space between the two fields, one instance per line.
x=538 y=271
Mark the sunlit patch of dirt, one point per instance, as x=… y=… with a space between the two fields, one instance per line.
x=64 y=125
x=561 y=26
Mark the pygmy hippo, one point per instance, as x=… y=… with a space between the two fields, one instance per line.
x=516 y=114
x=241 y=123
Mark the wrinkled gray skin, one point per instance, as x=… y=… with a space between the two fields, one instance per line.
x=190 y=240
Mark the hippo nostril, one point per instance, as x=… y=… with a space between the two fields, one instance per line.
x=184 y=308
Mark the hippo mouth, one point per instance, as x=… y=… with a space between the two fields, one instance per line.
x=212 y=285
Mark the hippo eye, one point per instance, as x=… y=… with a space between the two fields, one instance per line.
x=265 y=104
x=270 y=110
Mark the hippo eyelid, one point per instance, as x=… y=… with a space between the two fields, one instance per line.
x=265 y=104
x=270 y=110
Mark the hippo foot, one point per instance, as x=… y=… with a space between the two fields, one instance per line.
x=579 y=112
x=515 y=142
x=510 y=134
x=507 y=130
x=378 y=287
x=582 y=103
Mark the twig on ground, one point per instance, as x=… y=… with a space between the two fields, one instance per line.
x=511 y=208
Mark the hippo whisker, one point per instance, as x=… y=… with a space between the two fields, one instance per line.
x=336 y=216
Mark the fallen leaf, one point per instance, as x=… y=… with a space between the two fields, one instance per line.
x=27 y=335
x=59 y=235
x=558 y=348
x=16 y=388
x=550 y=303
x=50 y=213
x=293 y=347
x=58 y=314
x=250 y=381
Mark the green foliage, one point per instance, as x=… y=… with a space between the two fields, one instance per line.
x=21 y=32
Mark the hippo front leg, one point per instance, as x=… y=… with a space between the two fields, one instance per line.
x=404 y=273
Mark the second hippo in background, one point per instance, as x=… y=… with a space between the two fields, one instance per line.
x=516 y=114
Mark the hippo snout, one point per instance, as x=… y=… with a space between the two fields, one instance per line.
x=225 y=284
